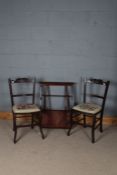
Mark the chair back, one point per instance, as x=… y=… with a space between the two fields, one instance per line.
x=96 y=89
x=22 y=90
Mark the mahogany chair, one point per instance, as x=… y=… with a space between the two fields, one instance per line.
x=22 y=93
x=94 y=98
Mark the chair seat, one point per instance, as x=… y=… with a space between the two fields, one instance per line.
x=90 y=108
x=27 y=108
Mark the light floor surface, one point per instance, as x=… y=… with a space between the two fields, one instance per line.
x=57 y=154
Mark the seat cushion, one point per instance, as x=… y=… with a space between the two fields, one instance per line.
x=28 y=108
x=90 y=108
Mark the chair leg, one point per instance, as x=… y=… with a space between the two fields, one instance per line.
x=40 y=126
x=15 y=135
x=32 y=121
x=93 y=130
x=14 y=128
x=84 y=120
x=14 y=122
x=71 y=124
x=42 y=134
x=101 y=123
x=68 y=133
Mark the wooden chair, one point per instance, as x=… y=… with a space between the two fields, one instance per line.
x=22 y=93
x=94 y=98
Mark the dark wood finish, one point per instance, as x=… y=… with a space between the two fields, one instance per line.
x=56 y=118
x=14 y=88
x=97 y=118
x=51 y=83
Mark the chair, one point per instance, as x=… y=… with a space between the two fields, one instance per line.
x=94 y=98
x=22 y=93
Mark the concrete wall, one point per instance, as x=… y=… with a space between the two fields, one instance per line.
x=59 y=40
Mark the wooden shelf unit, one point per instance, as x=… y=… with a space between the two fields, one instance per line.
x=56 y=118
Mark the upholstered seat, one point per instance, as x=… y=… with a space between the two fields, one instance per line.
x=87 y=108
x=28 y=108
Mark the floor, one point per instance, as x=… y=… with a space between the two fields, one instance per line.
x=58 y=154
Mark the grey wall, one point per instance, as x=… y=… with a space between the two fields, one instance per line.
x=59 y=40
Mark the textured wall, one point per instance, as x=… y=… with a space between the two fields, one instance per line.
x=58 y=40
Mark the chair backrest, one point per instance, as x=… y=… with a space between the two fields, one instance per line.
x=96 y=89
x=22 y=90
